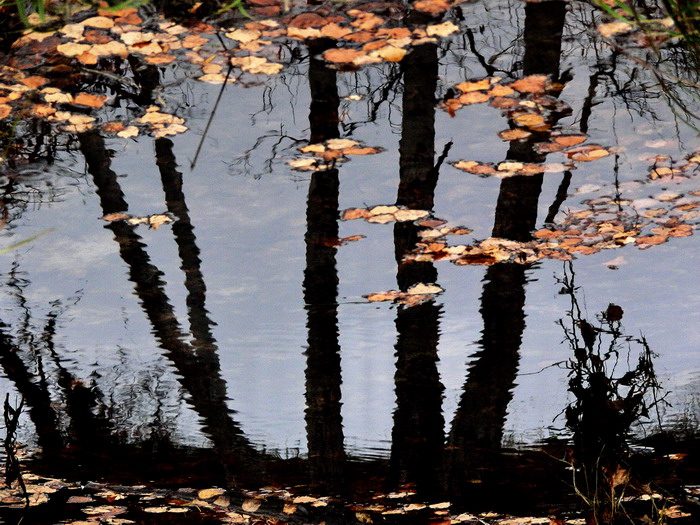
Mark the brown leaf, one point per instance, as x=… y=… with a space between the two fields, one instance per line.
x=33 y=82
x=383 y=296
x=569 y=140
x=342 y=55
x=480 y=85
x=161 y=58
x=473 y=97
x=193 y=41
x=303 y=33
x=587 y=153
x=530 y=84
x=306 y=20
x=529 y=120
x=514 y=134
x=113 y=127
x=210 y=493
x=115 y=217
x=5 y=110
x=433 y=7
x=390 y=53
x=334 y=31
x=500 y=91
x=87 y=99
x=360 y=151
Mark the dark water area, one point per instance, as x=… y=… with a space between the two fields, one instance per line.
x=234 y=347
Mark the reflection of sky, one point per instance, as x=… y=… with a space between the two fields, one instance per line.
x=251 y=235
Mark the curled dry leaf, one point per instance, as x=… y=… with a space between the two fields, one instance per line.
x=614 y=28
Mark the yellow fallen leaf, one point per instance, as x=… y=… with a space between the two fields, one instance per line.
x=444 y=29
x=71 y=49
x=128 y=132
x=210 y=493
x=215 y=78
x=254 y=65
x=390 y=53
x=251 y=505
x=100 y=22
x=614 y=28
x=382 y=210
x=410 y=215
x=243 y=35
x=303 y=33
x=341 y=143
x=424 y=289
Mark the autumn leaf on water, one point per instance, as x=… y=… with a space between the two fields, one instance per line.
x=154 y=221
x=416 y=294
x=530 y=84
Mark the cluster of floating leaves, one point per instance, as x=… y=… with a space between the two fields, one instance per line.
x=154 y=221
x=84 y=44
x=326 y=154
x=606 y=222
x=94 y=503
x=530 y=106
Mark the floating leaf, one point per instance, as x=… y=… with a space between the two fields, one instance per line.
x=530 y=84
x=444 y=29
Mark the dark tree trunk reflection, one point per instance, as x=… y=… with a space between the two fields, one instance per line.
x=198 y=372
x=477 y=428
x=418 y=433
x=324 y=425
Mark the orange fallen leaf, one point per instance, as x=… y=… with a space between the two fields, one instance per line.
x=383 y=296
x=161 y=58
x=433 y=7
x=115 y=217
x=530 y=84
x=355 y=213
x=473 y=97
x=113 y=127
x=569 y=140
x=5 y=110
x=390 y=53
x=529 y=120
x=334 y=31
x=514 y=134
x=650 y=240
x=87 y=99
x=587 y=153
x=33 y=82
x=479 y=85
x=360 y=151
x=342 y=55
x=42 y=110
x=500 y=91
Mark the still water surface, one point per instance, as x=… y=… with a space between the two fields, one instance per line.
x=238 y=325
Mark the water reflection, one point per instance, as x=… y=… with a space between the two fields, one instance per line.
x=459 y=456
x=324 y=424
x=418 y=431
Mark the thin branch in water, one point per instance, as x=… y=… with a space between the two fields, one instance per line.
x=211 y=118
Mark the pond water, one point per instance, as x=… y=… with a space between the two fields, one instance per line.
x=242 y=327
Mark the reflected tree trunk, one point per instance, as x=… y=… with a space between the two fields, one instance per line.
x=324 y=425
x=37 y=398
x=183 y=231
x=418 y=432
x=199 y=374
x=481 y=414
